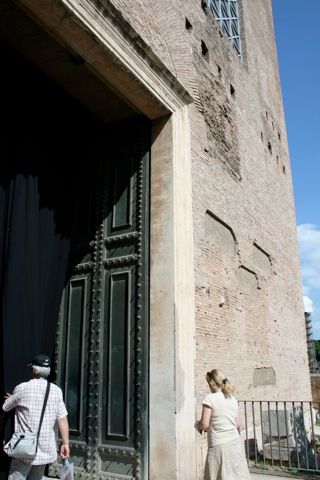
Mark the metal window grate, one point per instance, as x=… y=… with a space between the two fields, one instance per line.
x=226 y=12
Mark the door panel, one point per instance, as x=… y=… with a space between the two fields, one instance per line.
x=102 y=338
x=76 y=353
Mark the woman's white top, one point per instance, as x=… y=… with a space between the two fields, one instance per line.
x=224 y=411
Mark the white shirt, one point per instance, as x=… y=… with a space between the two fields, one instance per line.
x=224 y=411
x=27 y=399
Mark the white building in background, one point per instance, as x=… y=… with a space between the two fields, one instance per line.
x=308 y=309
x=308 y=304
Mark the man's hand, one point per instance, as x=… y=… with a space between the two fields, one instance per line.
x=64 y=432
x=64 y=452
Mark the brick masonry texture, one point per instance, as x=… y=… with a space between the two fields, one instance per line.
x=241 y=175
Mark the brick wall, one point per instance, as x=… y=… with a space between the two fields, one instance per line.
x=249 y=308
x=241 y=179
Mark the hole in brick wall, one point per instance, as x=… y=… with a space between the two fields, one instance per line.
x=277 y=160
x=283 y=169
x=269 y=147
x=204 y=5
x=265 y=376
x=261 y=258
x=188 y=25
x=279 y=136
x=247 y=281
x=267 y=114
x=219 y=71
x=218 y=233
x=272 y=126
x=232 y=90
x=261 y=135
x=204 y=50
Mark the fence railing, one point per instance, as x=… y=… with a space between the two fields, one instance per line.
x=281 y=434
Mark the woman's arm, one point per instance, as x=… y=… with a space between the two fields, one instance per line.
x=238 y=422
x=204 y=423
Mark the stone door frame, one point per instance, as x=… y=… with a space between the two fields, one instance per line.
x=102 y=38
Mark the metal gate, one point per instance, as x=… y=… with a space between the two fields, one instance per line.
x=102 y=336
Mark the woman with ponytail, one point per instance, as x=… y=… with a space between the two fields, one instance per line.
x=220 y=418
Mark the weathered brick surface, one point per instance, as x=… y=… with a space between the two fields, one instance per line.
x=241 y=174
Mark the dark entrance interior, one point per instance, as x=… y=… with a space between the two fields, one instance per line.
x=47 y=139
x=74 y=254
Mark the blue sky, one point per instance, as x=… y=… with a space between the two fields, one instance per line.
x=296 y=25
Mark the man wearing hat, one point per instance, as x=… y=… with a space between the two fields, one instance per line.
x=27 y=400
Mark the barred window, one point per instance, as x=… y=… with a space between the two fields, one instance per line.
x=226 y=12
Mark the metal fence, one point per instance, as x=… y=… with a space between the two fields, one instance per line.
x=281 y=434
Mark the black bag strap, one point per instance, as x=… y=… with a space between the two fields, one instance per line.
x=44 y=405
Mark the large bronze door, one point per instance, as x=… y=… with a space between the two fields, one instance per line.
x=102 y=337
